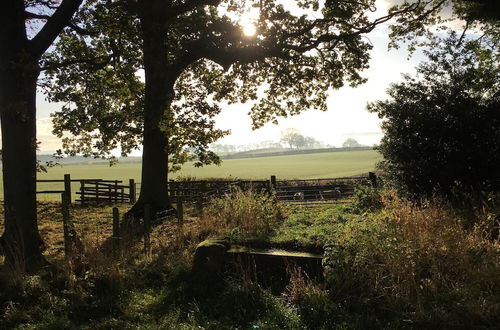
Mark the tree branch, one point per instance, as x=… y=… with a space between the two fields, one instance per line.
x=190 y=5
x=30 y=15
x=72 y=26
x=98 y=63
x=49 y=32
x=226 y=56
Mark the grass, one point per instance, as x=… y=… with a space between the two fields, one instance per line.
x=319 y=165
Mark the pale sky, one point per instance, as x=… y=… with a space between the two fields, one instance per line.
x=346 y=115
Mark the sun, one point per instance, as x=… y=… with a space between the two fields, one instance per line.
x=249 y=29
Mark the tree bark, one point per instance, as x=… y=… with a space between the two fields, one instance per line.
x=159 y=93
x=21 y=240
x=19 y=71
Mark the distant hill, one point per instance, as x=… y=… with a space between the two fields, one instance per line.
x=271 y=152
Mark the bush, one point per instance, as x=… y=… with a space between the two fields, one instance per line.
x=442 y=127
x=367 y=198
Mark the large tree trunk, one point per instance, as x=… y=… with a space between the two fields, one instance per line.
x=19 y=71
x=21 y=240
x=159 y=93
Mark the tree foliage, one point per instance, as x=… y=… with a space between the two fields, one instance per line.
x=351 y=143
x=442 y=127
x=104 y=92
x=430 y=16
x=296 y=56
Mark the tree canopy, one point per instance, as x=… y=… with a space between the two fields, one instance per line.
x=296 y=57
x=430 y=16
x=195 y=54
x=351 y=143
x=442 y=127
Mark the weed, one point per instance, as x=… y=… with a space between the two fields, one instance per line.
x=242 y=214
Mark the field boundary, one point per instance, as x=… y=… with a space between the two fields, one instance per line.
x=247 y=154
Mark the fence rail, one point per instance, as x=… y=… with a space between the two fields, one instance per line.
x=302 y=191
x=191 y=191
x=321 y=191
x=94 y=190
x=299 y=192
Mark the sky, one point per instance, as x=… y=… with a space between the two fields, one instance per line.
x=346 y=116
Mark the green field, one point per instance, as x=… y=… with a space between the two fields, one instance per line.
x=318 y=165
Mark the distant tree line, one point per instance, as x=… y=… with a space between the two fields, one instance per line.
x=290 y=138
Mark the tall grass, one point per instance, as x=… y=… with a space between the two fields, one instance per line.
x=244 y=214
x=402 y=265
x=419 y=263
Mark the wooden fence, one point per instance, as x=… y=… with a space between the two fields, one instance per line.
x=94 y=190
x=110 y=191
x=320 y=191
x=306 y=192
x=193 y=191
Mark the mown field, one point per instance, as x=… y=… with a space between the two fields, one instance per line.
x=319 y=165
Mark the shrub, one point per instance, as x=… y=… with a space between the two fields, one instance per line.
x=367 y=198
x=442 y=127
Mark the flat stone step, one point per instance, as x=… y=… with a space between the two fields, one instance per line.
x=270 y=267
x=273 y=252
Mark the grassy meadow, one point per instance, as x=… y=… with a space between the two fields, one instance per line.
x=318 y=165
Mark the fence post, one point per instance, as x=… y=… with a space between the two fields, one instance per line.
x=67 y=186
x=180 y=210
x=66 y=225
x=273 y=182
x=201 y=198
x=82 y=191
x=373 y=178
x=147 y=228
x=115 y=192
x=97 y=191
x=132 y=197
x=116 y=230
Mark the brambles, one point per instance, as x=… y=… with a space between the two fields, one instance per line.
x=367 y=198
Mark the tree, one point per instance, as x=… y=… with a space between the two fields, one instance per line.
x=23 y=42
x=311 y=143
x=351 y=143
x=292 y=137
x=442 y=127
x=197 y=45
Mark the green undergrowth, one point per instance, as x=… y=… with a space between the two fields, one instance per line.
x=312 y=229
x=256 y=219
x=389 y=264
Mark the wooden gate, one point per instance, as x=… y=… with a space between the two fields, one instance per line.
x=106 y=191
x=320 y=191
